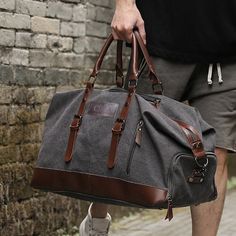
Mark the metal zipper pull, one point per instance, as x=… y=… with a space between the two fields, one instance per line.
x=169 y=214
x=138 y=136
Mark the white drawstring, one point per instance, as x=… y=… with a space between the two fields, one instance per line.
x=210 y=73
x=219 y=73
x=209 y=77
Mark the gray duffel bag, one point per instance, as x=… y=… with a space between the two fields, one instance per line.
x=119 y=147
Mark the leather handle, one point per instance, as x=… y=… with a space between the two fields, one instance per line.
x=146 y=55
x=101 y=56
x=103 y=52
x=77 y=120
x=136 y=41
x=119 y=125
x=153 y=76
x=119 y=64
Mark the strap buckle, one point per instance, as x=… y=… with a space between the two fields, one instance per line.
x=133 y=83
x=76 y=122
x=92 y=79
x=198 y=145
x=120 y=128
x=119 y=81
x=157 y=87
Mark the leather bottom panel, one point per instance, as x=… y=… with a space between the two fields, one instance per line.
x=98 y=188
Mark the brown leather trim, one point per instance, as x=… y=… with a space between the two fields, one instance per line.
x=76 y=122
x=101 y=56
x=118 y=129
x=104 y=187
x=193 y=138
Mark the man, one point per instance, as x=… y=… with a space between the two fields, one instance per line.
x=193 y=46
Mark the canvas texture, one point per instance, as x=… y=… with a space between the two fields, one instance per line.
x=163 y=158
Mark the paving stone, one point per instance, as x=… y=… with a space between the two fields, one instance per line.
x=180 y=225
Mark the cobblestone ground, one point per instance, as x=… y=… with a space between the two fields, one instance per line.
x=151 y=223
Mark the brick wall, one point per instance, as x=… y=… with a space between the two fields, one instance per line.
x=45 y=46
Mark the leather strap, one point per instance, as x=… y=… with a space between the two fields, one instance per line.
x=193 y=138
x=101 y=56
x=119 y=125
x=117 y=130
x=156 y=83
x=76 y=122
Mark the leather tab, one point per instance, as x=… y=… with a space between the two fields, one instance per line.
x=112 y=154
x=193 y=138
x=76 y=122
x=118 y=129
x=169 y=214
x=116 y=133
x=70 y=146
x=74 y=128
x=138 y=137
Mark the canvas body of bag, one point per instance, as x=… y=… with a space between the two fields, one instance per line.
x=119 y=147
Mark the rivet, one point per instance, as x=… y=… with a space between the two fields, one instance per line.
x=190 y=179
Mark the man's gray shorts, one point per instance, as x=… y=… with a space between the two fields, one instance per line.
x=189 y=82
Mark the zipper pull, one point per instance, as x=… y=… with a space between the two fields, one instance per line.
x=169 y=214
x=138 y=136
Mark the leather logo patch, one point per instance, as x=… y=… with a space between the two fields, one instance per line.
x=102 y=109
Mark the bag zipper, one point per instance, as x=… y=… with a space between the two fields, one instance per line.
x=136 y=142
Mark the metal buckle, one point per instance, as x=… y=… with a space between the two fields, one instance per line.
x=76 y=127
x=198 y=145
x=133 y=83
x=120 y=80
x=92 y=79
x=158 y=90
x=122 y=121
x=118 y=132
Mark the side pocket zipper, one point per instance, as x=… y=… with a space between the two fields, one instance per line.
x=136 y=142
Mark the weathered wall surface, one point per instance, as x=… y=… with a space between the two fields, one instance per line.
x=45 y=46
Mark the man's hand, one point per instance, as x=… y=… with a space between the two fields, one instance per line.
x=126 y=18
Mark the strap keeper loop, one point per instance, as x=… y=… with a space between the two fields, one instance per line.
x=76 y=122
x=119 y=127
x=122 y=121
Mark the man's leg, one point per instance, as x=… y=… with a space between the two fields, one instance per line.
x=99 y=210
x=97 y=221
x=206 y=217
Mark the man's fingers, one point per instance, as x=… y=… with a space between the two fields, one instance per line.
x=118 y=34
x=114 y=34
x=128 y=34
x=123 y=33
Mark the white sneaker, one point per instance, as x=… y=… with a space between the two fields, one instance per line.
x=94 y=226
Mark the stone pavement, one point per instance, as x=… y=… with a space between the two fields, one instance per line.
x=151 y=223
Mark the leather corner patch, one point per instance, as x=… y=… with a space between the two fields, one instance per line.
x=102 y=109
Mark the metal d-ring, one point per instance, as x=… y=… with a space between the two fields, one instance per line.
x=200 y=165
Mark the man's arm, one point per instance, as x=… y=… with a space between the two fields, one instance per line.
x=126 y=17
